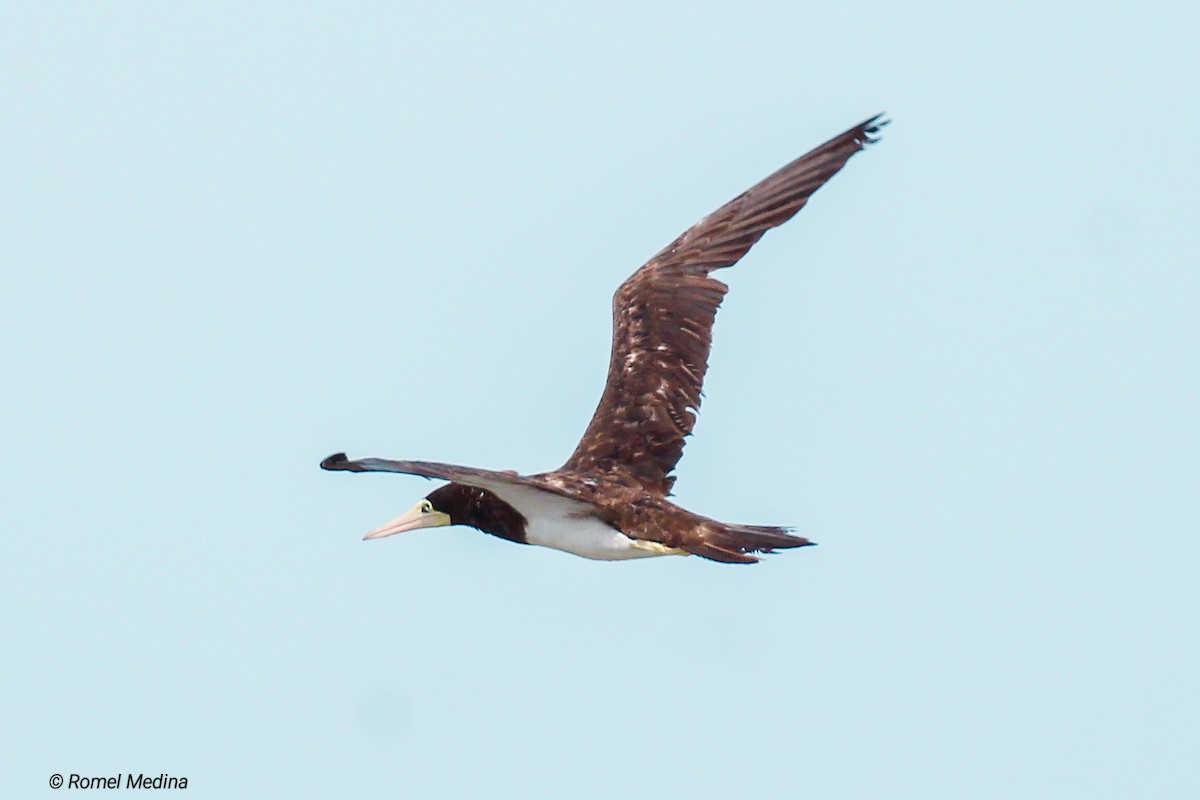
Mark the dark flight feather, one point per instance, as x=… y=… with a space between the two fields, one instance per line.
x=663 y=318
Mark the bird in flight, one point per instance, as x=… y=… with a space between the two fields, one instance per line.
x=609 y=501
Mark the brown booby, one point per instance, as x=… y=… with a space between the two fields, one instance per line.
x=609 y=500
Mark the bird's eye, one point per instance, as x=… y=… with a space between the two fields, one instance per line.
x=426 y=507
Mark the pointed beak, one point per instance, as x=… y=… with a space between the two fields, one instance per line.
x=411 y=520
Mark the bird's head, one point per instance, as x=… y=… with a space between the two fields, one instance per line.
x=451 y=504
x=459 y=504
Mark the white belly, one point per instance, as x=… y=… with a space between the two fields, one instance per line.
x=563 y=523
x=587 y=537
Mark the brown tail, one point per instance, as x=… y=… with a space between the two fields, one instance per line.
x=733 y=543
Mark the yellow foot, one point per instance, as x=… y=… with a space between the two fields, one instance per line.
x=658 y=549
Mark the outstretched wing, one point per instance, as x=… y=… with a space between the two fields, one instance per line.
x=663 y=318
x=510 y=487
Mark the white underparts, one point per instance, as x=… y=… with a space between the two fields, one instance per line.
x=565 y=524
x=591 y=538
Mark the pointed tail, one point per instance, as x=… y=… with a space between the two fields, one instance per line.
x=732 y=544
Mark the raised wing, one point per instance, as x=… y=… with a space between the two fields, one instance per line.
x=663 y=318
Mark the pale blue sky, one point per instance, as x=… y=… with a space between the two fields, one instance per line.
x=236 y=239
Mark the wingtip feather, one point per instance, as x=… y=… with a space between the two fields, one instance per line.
x=338 y=461
x=873 y=127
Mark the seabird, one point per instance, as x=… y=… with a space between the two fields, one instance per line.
x=609 y=500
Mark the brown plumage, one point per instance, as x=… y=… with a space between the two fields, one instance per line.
x=621 y=471
x=663 y=318
x=479 y=508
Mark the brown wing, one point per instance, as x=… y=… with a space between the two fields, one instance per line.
x=499 y=483
x=663 y=318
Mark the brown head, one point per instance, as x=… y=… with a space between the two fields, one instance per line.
x=459 y=504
